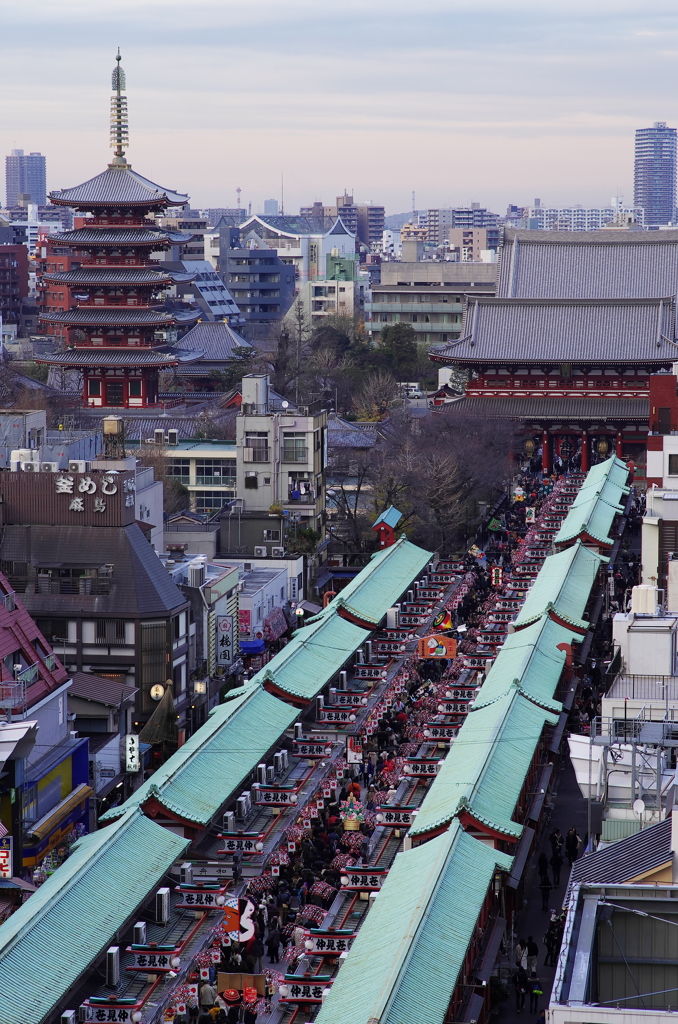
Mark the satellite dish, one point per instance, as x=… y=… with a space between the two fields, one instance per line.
x=285 y=405
x=638 y=806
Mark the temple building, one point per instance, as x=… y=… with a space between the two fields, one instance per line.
x=567 y=347
x=116 y=322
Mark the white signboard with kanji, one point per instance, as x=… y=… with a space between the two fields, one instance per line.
x=224 y=639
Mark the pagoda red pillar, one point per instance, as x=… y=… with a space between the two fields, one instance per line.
x=618 y=445
x=546 y=453
x=585 y=461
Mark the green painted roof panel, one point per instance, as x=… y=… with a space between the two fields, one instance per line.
x=531 y=656
x=404 y=964
x=564 y=582
x=54 y=937
x=314 y=655
x=594 y=518
x=196 y=780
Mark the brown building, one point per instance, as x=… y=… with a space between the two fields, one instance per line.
x=13 y=281
x=365 y=220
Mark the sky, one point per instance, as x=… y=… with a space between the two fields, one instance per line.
x=460 y=101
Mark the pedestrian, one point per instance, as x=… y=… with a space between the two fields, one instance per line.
x=535 y=990
x=532 y=955
x=237 y=861
x=208 y=996
x=520 y=953
x=572 y=842
x=541 y=1019
x=556 y=863
x=556 y=840
x=519 y=980
x=551 y=945
x=545 y=889
x=543 y=865
x=257 y=951
x=273 y=945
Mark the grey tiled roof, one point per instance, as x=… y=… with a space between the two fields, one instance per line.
x=217 y=341
x=291 y=225
x=141 y=428
x=118 y=236
x=627 y=858
x=598 y=264
x=107 y=276
x=551 y=407
x=343 y=434
x=564 y=330
x=109 y=315
x=118 y=186
x=97 y=688
x=109 y=357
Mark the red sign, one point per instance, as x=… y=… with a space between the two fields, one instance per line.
x=244 y=621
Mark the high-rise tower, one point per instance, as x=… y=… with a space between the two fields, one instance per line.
x=655 y=173
x=25 y=175
x=116 y=323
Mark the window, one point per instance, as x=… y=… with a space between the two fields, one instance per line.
x=211 y=501
x=272 y=535
x=251 y=482
x=94 y=388
x=257 y=441
x=294 y=447
x=673 y=465
x=180 y=469
x=135 y=389
x=53 y=629
x=110 y=631
x=215 y=471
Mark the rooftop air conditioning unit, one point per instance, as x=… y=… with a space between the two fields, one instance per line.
x=78 y=466
x=69 y=1017
x=196 y=573
x=228 y=824
x=158 y=436
x=173 y=437
x=162 y=906
x=113 y=965
x=278 y=763
x=30 y=467
x=140 y=934
x=261 y=551
x=261 y=774
x=186 y=873
x=270 y=774
x=277 y=552
x=49 y=467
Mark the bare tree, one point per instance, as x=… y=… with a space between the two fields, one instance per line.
x=378 y=394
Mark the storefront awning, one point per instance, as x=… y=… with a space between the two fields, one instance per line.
x=251 y=646
x=16 y=739
x=49 y=822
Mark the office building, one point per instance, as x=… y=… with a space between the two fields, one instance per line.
x=25 y=178
x=303 y=243
x=365 y=220
x=259 y=281
x=655 y=173
x=271 y=208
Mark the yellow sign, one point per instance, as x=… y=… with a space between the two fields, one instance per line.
x=437 y=646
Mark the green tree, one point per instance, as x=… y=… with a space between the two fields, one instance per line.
x=399 y=350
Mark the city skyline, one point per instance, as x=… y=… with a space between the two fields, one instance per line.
x=340 y=109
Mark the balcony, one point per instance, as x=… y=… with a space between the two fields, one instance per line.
x=295 y=454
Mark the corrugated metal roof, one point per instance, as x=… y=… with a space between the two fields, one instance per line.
x=614 y=469
x=487 y=764
x=549 y=406
x=592 y=331
x=589 y=264
x=53 y=938
x=404 y=964
x=605 y=490
x=379 y=585
x=118 y=186
x=313 y=656
x=196 y=780
x=626 y=859
x=565 y=582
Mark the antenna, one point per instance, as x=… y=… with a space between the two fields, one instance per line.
x=282 y=194
x=238 y=191
x=414 y=206
x=119 y=125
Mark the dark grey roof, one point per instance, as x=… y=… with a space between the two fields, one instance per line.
x=118 y=186
x=96 y=688
x=140 y=585
x=109 y=357
x=291 y=225
x=627 y=858
x=111 y=316
x=107 y=276
x=216 y=340
x=344 y=434
x=142 y=427
x=118 y=237
x=555 y=331
x=583 y=264
x=551 y=407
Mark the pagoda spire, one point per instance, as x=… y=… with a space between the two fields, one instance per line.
x=119 y=124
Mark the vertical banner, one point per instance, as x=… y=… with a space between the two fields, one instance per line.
x=224 y=639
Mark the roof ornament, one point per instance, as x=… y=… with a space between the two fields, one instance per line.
x=119 y=123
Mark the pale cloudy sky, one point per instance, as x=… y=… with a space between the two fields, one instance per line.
x=494 y=101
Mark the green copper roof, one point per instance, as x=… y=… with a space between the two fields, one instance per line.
x=404 y=964
x=313 y=656
x=487 y=764
x=197 y=780
x=607 y=490
x=594 y=518
x=564 y=583
x=613 y=469
x=381 y=583
x=56 y=935
x=531 y=657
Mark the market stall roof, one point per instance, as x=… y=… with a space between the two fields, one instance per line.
x=196 y=780
x=532 y=657
x=313 y=656
x=614 y=469
x=367 y=597
x=592 y=518
x=605 y=490
x=405 y=962
x=563 y=586
x=483 y=774
x=51 y=940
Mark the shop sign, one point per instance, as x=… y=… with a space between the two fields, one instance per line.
x=396 y=634
x=107 y=1013
x=349 y=700
x=132 y=755
x=422 y=767
x=453 y=707
x=389 y=647
x=450 y=565
x=244 y=622
x=392 y=816
x=326 y=943
x=337 y=717
x=203 y=898
x=271 y=796
x=415 y=608
x=437 y=646
x=412 y=620
x=373 y=671
x=224 y=639
x=6 y=844
x=363 y=879
x=436 y=731
x=299 y=991
x=246 y=842
x=311 y=748
x=442 y=577
x=429 y=593
x=158 y=960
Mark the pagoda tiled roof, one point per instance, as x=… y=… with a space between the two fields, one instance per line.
x=216 y=341
x=119 y=236
x=109 y=316
x=588 y=264
x=537 y=331
x=118 y=186
x=108 y=276
x=109 y=357
x=551 y=406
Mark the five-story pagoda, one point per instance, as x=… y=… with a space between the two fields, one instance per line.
x=117 y=322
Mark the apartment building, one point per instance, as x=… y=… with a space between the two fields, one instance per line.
x=365 y=220
x=439 y=221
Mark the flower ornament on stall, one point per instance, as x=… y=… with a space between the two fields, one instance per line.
x=352 y=813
